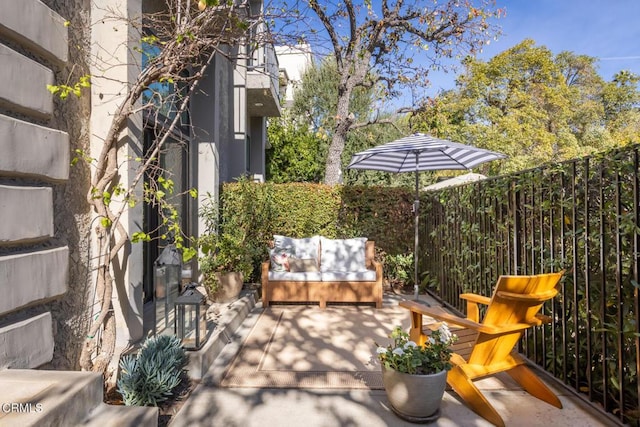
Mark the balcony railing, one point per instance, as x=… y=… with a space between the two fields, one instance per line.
x=263 y=81
x=264 y=60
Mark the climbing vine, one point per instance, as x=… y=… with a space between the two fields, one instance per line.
x=185 y=36
x=581 y=216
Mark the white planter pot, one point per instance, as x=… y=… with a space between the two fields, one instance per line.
x=415 y=398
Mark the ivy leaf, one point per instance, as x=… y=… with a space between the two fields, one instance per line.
x=188 y=254
x=140 y=236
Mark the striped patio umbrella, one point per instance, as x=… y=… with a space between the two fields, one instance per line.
x=416 y=153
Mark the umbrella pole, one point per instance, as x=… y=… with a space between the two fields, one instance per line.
x=416 y=207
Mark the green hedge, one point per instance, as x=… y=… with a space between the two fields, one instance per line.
x=381 y=214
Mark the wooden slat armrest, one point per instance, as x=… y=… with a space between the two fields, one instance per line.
x=439 y=313
x=542 y=319
x=536 y=297
x=264 y=277
x=475 y=298
x=473 y=311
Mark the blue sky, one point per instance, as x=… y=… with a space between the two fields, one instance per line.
x=605 y=29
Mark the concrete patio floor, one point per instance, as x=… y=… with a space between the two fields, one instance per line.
x=210 y=405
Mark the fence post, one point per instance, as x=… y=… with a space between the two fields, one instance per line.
x=636 y=256
x=515 y=212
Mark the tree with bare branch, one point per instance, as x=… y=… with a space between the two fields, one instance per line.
x=184 y=35
x=389 y=44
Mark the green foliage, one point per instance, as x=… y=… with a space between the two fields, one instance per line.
x=203 y=4
x=64 y=90
x=407 y=357
x=381 y=214
x=140 y=236
x=535 y=107
x=296 y=153
x=235 y=238
x=294 y=209
x=161 y=193
x=580 y=216
x=317 y=98
x=387 y=48
x=223 y=247
x=150 y=376
x=300 y=139
x=223 y=253
x=399 y=268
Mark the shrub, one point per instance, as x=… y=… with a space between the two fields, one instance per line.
x=382 y=214
x=399 y=268
x=150 y=376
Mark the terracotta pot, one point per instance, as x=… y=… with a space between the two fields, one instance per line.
x=229 y=286
x=415 y=398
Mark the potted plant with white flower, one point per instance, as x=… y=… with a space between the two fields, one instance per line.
x=415 y=376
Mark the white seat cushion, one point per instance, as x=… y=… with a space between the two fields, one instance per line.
x=295 y=277
x=300 y=248
x=342 y=255
x=349 y=276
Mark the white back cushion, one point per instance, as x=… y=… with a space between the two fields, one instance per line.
x=342 y=254
x=300 y=248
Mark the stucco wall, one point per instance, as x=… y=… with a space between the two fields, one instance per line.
x=44 y=255
x=45 y=231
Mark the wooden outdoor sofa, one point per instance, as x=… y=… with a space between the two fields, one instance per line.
x=349 y=275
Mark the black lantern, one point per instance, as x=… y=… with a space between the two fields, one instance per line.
x=191 y=321
x=167 y=274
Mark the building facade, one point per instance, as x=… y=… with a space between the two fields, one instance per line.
x=47 y=239
x=294 y=61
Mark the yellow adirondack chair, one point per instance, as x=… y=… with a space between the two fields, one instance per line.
x=489 y=349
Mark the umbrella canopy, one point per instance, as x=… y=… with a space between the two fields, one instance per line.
x=421 y=152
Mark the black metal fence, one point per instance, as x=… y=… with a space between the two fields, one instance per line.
x=582 y=216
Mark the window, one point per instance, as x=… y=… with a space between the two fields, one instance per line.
x=172 y=164
x=162 y=100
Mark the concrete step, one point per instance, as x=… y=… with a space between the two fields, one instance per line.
x=122 y=416
x=30 y=397
x=47 y=398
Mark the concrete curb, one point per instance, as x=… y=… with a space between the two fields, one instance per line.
x=232 y=317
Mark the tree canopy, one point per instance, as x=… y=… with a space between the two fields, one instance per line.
x=300 y=138
x=535 y=107
x=296 y=152
x=387 y=45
